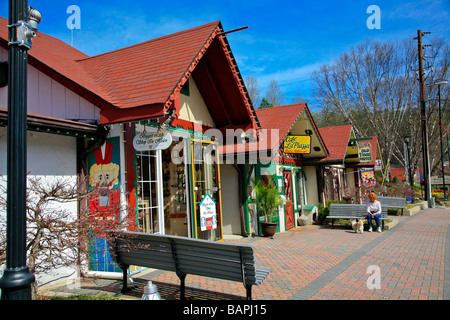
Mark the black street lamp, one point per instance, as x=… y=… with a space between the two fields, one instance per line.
x=17 y=279
x=440 y=83
x=411 y=180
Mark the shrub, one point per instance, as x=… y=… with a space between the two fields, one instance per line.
x=324 y=211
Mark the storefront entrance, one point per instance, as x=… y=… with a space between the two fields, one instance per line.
x=206 y=187
x=289 y=206
x=172 y=195
x=161 y=192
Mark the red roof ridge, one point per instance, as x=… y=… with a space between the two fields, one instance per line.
x=339 y=126
x=281 y=106
x=151 y=40
x=148 y=75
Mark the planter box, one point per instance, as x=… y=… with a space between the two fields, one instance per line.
x=416 y=209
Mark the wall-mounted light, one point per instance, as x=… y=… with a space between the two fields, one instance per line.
x=25 y=31
x=166 y=124
x=245 y=137
x=308 y=132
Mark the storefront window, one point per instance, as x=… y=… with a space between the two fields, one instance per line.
x=300 y=190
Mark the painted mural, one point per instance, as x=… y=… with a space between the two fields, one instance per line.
x=104 y=203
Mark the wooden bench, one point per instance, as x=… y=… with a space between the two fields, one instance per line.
x=353 y=211
x=229 y=261
x=392 y=202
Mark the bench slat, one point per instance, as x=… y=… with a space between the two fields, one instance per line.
x=352 y=211
x=393 y=202
x=193 y=256
x=187 y=254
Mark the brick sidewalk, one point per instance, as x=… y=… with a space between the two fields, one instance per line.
x=318 y=263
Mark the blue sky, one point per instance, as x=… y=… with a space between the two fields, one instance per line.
x=286 y=40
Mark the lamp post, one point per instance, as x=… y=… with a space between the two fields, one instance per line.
x=440 y=83
x=411 y=180
x=17 y=279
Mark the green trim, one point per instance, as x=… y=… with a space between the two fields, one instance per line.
x=308 y=206
x=245 y=178
x=185 y=89
x=360 y=139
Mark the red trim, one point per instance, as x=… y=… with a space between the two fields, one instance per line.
x=239 y=81
x=188 y=125
x=288 y=161
x=176 y=90
x=130 y=176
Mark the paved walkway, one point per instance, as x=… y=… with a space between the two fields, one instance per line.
x=409 y=262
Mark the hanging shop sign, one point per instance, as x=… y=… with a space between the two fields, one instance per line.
x=208 y=217
x=365 y=152
x=377 y=165
x=297 y=144
x=145 y=141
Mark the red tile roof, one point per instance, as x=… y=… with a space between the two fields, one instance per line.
x=147 y=73
x=142 y=74
x=336 y=139
x=282 y=118
x=141 y=81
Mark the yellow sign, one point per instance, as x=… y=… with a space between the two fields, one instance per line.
x=297 y=144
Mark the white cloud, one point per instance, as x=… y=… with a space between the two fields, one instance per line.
x=288 y=76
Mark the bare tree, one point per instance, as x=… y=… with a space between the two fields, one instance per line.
x=298 y=98
x=274 y=94
x=60 y=227
x=253 y=90
x=374 y=88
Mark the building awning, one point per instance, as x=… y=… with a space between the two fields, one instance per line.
x=58 y=126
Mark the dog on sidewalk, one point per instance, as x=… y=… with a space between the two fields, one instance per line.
x=358 y=226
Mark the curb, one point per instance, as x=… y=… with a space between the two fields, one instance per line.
x=390 y=225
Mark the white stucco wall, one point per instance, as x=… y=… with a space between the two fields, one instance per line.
x=49 y=157
x=47 y=97
x=311 y=185
x=193 y=108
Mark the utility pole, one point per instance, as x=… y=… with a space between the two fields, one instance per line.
x=423 y=116
x=17 y=279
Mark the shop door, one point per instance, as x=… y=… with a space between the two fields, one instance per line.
x=289 y=207
x=206 y=189
x=148 y=187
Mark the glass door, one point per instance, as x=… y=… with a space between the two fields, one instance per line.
x=206 y=194
x=148 y=191
x=174 y=189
